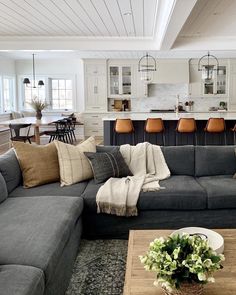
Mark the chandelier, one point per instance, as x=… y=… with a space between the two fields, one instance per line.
x=26 y=81
x=147 y=65
x=208 y=64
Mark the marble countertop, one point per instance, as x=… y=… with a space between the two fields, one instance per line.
x=227 y=115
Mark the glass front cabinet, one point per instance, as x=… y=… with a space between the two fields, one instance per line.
x=216 y=81
x=120 y=81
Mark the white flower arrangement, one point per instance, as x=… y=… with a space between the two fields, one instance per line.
x=181 y=259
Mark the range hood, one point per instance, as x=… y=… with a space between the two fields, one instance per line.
x=171 y=72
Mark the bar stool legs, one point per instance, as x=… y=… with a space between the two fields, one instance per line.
x=234 y=133
x=154 y=126
x=186 y=125
x=215 y=125
x=124 y=126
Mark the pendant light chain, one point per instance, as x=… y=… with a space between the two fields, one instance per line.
x=26 y=81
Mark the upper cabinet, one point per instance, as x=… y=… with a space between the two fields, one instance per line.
x=217 y=86
x=95 y=85
x=120 y=80
x=172 y=71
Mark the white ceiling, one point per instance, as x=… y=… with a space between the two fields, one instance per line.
x=117 y=28
x=210 y=20
x=94 y=18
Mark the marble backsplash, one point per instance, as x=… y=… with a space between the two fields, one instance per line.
x=164 y=96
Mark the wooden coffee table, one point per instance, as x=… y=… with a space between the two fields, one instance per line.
x=140 y=282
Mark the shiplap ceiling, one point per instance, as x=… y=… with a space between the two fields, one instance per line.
x=117 y=28
x=83 y=18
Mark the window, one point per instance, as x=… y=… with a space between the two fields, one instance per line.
x=61 y=94
x=7 y=93
x=30 y=92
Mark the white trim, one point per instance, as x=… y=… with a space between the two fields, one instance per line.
x=13 y=94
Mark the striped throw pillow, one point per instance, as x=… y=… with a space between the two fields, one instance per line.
x=106 y=165
x=74 y=165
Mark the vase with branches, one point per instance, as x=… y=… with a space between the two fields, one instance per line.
x=38 y=105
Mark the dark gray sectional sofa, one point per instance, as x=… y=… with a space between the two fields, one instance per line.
x=41 y=227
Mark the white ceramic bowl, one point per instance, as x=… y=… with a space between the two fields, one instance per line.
x=216 y=241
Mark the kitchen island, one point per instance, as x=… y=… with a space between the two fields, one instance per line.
x=170 y=121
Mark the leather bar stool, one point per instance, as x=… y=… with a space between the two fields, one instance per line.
x=234 y=131
x=154 y=125
x=124 y=126
x=215 y=125
x=186 y=125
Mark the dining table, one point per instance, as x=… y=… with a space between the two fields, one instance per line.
x=44 y=121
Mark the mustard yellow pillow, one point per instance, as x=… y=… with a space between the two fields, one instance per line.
x=39 y=164
x=74 y=165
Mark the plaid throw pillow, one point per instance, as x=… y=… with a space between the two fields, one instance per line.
x=106 y=165
x=74 y=166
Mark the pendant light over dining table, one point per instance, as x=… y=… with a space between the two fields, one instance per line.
x=146 y=66
x=208 y=64
x=27 y=82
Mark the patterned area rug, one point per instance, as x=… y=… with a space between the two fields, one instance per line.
x=99 y=268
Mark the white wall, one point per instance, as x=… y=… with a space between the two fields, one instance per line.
x=7 y=66
x=53 y=68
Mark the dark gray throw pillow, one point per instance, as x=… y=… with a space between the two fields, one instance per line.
x=106 y=165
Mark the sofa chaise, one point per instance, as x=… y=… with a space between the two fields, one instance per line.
x=41 y=227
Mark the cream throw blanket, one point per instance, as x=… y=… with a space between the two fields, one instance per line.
x=119 y=196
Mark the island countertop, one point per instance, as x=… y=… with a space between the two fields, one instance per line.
x=227 y=115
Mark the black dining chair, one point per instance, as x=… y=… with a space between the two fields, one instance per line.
x=20 y=132
x=61 y=132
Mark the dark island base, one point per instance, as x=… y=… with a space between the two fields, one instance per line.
x=170 y=135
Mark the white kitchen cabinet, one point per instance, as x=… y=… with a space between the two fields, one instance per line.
x=232 y=88
x=218 y=86
x=93 y=124
x=120 y=80
x=95 y=86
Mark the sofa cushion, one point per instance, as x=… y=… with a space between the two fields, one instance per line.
x=74 y=165
x=10 y=169
x=178 y=193
x=50 y=189
x=89 y=195
x=221 y=191
x=3 y=189
x=215 y=160
x=21 y=280
x=34 y=231
x=180 y=159
x=39 y=164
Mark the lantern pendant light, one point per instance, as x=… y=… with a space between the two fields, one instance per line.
x=147 y=65
x=208 y=64
x=26 y=81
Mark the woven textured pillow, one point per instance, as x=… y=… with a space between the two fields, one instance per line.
x=74 y=165
x=106 y=165
x=39 y=164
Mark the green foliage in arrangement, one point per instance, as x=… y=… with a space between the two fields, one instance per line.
x=181 y=259
x=38 y=105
